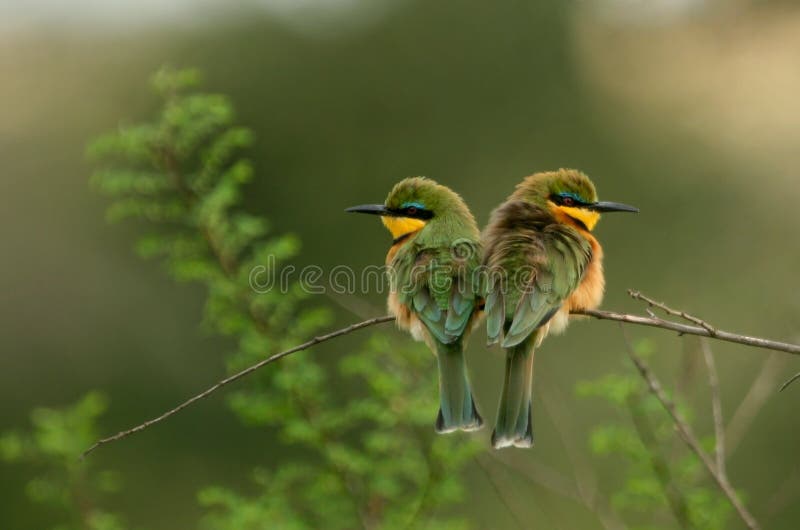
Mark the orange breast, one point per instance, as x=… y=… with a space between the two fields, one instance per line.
x=392 y=251
x=406 y=319
x=589 y=293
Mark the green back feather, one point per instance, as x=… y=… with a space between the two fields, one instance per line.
x=434 y=272
x=534 y=264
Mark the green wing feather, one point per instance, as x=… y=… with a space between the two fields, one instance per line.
x=566 y=257
x=439 y=285
x=553 y=256
x=495 y=314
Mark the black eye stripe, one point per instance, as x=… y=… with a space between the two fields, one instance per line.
x=567 y=199
x=413 y=212
x=416 y=212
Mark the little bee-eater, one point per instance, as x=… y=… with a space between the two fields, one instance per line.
x=433 y=290
x=542 y=262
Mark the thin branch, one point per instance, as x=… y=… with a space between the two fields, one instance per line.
x=761 y=389
x=660 y=464
x=517 y=520
x=543 y=476
x=239 y=375
x=687 y=433
x=791 y=380
x=652 y=321
x=555 y=406
x=686 y=329
x=433 y=473
x=556 y=482
x=784 y=496
x=716 y=407
x=684 y=379
x=636 y=295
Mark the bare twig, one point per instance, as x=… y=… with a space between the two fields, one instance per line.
x=716 y=407
x=659 y=463
x=687 y=433
x=757 y=395
x=556 y=482
x=791 y=380
x=636 y=295
x=517 y=520
x=656 y=322
x=541 y=475
x=210 y=390
x=684 y=380
x=686 y=329
x=554 y=404
x=784 y=496
x=434 y=472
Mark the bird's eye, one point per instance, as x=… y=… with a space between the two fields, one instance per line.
x=411 y=210
x=567 y=201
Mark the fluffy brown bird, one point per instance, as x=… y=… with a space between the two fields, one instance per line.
x=542 y=262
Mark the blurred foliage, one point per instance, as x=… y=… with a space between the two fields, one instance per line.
x=659 y=476
x=370 y=457
x=689 y=117
x=375 y=462
x=61 y=481
x=359 y=450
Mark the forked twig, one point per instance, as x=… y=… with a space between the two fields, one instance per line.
x=716 y=407
x=636 y=295
x=687 y=433
x=687 y=329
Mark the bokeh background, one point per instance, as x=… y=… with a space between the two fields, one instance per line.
x=685 y=108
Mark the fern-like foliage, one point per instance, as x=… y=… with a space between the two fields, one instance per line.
x=60 y=481
x=371 y=458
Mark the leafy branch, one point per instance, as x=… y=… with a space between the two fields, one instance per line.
x=77 y=489
x=372 y=466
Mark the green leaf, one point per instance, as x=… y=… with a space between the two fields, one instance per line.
x=169 y=81
x=11 y=446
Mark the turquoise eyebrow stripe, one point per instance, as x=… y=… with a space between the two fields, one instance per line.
x=417 y=205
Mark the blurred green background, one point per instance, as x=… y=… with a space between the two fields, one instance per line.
x=686 y=108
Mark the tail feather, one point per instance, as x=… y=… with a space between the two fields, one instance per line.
x=514 y=425
x=457 y=410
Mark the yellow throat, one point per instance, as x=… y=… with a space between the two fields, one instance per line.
x=402 y=226
x=587 y=217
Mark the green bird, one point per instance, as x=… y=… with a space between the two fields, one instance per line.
x=542 y=262
x=433 y=289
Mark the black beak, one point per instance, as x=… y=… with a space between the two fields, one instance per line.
x=374 y=209
x=604 y=206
